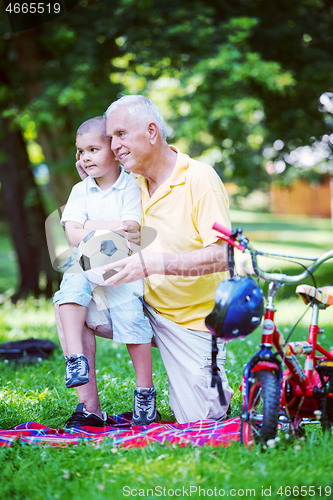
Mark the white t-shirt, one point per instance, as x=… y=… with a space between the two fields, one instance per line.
x=122 y=201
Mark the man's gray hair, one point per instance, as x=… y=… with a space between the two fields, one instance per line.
x=141 y=108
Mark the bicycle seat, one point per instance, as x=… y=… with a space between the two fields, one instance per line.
x=323 y=295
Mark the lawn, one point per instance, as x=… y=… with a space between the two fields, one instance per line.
x=37 y=393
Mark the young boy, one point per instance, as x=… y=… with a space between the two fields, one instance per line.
x=107 y=199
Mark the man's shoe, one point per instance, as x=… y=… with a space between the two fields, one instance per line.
x=77 y=370
x=82 y=418
x=144 y=412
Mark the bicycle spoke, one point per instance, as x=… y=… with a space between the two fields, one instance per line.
x=257 y=398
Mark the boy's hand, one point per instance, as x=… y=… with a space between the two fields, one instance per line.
x=132 y=234
x=80 y=170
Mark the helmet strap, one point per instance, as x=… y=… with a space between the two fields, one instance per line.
x=231 y=261
x=216 y=379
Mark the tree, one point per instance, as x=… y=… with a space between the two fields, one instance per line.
x=244 y=78
x=25 y=215
x=250 y=92
x=31 y=87
x=21 y=198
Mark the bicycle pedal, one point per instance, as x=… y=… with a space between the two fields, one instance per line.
x=325 y=368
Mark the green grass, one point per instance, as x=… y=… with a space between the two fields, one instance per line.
x=37 y=393
x=101 y=473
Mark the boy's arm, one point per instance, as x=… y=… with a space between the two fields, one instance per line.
x=130 y=228
x=75 y=232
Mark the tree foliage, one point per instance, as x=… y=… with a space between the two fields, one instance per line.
x=231 y=78
x=258 y=72
x=251 y=76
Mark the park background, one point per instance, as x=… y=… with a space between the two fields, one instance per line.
x=244 y=85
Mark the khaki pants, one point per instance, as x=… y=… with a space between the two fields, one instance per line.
x=186 y=355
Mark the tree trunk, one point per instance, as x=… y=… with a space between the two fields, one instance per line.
x=61 y=183
x=26 y=217
x=331 y=184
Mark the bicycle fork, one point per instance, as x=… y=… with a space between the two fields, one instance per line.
x=264 y=359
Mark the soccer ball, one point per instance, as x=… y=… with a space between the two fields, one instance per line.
x=98 y=249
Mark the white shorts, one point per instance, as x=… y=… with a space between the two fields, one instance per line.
x=121 y=317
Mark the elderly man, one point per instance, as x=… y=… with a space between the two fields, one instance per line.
x=181 y=199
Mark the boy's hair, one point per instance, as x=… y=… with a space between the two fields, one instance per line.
x=95 y=125
x=141 y=108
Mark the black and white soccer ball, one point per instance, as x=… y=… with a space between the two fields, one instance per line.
x=97 y=250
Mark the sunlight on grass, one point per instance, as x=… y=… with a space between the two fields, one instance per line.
x=297 y=235
x=288 y=312
x=239 y=217
x=28 y=313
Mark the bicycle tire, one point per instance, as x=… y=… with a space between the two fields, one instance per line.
x=326 y=408
x=263 y=407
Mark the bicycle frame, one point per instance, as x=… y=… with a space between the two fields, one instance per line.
x=298 y=390
x=302 y=388
x=304 y=382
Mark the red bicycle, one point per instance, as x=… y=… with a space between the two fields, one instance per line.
x=298 y=395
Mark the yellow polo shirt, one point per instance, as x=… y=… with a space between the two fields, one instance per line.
x=182 y=211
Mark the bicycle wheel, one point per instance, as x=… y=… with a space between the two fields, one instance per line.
x=263 y=407
x=326 y=408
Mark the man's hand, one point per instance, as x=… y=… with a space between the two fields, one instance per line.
x=208 y=260
x=80 y=170
x=140 y=265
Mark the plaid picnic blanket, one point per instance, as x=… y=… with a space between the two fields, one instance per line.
x=122 y=433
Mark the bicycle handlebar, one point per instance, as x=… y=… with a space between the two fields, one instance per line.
x=222 y=229
x=231 y=236
x=237 y=240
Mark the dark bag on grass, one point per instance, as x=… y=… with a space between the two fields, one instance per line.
x=28 y=350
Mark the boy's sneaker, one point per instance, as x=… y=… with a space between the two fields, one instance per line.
x=77 y=370
x=144 y=412
x=82 y=418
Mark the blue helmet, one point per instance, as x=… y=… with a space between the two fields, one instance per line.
x=238 y=309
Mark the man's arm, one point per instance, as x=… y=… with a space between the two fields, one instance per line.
x=208 y=260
